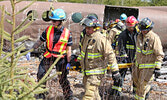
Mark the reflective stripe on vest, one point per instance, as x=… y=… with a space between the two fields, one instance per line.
x=117 y=88
x=146 y=52
x=138 y=97
x=129 y=46
x=60 y=47
x=95 y=71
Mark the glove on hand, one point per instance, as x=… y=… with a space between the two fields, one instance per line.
x=116 y=75
x=157 y=72
x=28 y=56
x=68 y=66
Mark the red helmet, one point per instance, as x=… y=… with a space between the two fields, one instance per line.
x=117 y=20
x=131 y=21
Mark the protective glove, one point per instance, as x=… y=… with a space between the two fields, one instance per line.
x=157 y=72
x=116 y=75
x=28 y=56
x=68 y=66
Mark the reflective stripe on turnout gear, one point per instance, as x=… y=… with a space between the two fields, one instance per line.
x=146 y=52
x=138 y=97
x=128 y=46
x=94 y=71
x=91 y=55
x=151 y=65
x=117 y=88
x=157 y=63
x=112 y=66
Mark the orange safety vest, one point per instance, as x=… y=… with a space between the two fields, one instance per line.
x=60 y=47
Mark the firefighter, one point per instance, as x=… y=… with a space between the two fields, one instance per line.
x=96 y=53
x=105 y=29
x=90 y=16
x=149 y=57
x=114 y=34
x=58 y=41
x=126 y=48
x=123 y=17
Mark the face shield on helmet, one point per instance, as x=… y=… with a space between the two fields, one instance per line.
x=146 y=24
x=58 y=14
x=121 y=26
x=131 y=21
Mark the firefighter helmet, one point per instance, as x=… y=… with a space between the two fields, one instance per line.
x=58 y=14
x=92 y=14
x=146 y=24
x=131 y=21
x=91 y=21
x=123 y=17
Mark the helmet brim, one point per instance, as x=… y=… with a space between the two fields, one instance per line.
x=55 y=18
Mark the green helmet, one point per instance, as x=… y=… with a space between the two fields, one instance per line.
x=77 y=17
x=92 y=14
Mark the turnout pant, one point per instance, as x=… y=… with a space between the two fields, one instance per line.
x=91 y=84
x=141 y=79
x=60 y=66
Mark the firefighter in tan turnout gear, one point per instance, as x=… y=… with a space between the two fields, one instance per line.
x=149 y=57
x=96 y=53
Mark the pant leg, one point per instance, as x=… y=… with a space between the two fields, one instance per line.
x=91 y=88
x=143 y=87
x=43 y=67
x=118 y=84
x=135 y=76
x=65 y=84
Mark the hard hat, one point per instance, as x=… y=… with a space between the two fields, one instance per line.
x=92 y=14
x=91 y=22
x=77 y=17
x=58 y=14
x=131 y=21
x=123 y=17
x=121 y=26
x=146 y=24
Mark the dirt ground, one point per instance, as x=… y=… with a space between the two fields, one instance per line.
x=159 y=87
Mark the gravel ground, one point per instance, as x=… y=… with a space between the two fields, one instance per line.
x=159 y=91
